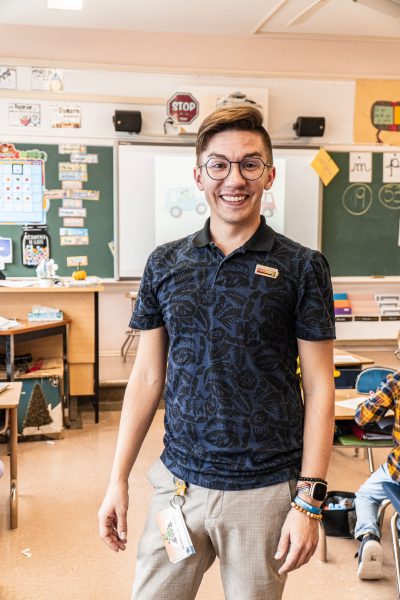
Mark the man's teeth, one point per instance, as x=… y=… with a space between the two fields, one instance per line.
x=233 y=198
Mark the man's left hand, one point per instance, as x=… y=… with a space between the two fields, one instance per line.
x=298 y=541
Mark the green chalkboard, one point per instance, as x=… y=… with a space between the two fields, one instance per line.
x=360 y=222
x=98 y=219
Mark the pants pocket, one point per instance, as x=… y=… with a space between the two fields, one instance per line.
x=160 y=477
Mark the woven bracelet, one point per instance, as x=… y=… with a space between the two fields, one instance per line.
x=312 y=509
x=307 y=513
x=312 y=480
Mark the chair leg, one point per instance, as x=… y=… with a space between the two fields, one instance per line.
x=129 y=340
x=381 y=512
x=370 y=460
x=396 y=549
x=322 y=545
x=6 y=419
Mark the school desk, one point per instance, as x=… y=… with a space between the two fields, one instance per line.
x=343 y=358
x=80 y=306
x=343 y=413
x=9 y=399
x=28 y=331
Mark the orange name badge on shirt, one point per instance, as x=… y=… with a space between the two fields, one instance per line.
x=266 y=271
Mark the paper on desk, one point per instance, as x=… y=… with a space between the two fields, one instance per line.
x=8 y=323
x=345 y=358
x=352 y=402
x=12 y=283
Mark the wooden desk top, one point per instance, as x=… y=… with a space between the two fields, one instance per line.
x=10 y=398
x=341 y=412
x=27 y=327
x=52 y=290
x=354 y=360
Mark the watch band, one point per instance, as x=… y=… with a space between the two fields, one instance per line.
x=309 y=488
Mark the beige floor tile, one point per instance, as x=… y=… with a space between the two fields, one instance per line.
x=61 y=487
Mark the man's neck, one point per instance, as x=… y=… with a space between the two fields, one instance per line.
x=230 y=236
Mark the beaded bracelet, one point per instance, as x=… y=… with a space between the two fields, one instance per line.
x=313 y=509
x=306 y=512
x=312 y=480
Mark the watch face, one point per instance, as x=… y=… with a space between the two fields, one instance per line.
x=319 y=492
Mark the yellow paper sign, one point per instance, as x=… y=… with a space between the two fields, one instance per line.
x=325 y=166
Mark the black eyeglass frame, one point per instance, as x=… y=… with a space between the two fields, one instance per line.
x=235 y=162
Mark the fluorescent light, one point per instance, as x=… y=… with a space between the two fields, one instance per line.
x=65 y=4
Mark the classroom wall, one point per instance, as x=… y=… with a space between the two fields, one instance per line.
x=100 y=92
x=187 y=52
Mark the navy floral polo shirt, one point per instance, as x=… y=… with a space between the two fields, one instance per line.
x=233 y=407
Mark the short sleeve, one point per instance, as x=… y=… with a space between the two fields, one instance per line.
x=315 y=316
x=147 y=313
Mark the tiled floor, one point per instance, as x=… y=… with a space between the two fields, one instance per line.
x=61 y=486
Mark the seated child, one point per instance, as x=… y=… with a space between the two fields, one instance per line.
x=371 y=494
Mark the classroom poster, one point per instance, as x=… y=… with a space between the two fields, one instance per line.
x=47 y=79
x=391 y=167
x=377 y=112
x=65 y=117
x=21 y=185
x=24 y=115
x=360 y=167
x=8 y=78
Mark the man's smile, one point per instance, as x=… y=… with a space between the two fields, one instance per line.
x=231 y=199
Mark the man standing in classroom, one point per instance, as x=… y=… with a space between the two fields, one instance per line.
x=225 y=313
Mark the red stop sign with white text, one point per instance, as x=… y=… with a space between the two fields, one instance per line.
x=182 y=107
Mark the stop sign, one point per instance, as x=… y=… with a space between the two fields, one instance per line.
x=182 y=107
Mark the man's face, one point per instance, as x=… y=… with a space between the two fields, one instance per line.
x=234 y=199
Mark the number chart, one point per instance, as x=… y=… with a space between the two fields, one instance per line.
x=21 y=186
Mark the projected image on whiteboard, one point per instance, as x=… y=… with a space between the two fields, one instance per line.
x=273 y=200
x=180 y=208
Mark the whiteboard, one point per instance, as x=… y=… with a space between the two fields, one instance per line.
x=159 y=202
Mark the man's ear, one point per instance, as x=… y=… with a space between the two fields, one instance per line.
x=270 y=178
x=198 y=178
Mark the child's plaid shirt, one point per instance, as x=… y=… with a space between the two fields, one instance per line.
x=386 y=397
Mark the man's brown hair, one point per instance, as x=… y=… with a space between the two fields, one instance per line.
x=242 y=118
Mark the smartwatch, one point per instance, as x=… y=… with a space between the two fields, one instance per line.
x=315 y=489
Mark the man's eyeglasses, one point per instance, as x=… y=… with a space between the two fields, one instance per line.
x=250 y=168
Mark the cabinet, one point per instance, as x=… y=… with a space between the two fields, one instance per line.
x=367 y=330
x=80 y=306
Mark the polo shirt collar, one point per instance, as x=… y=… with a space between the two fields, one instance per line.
x=262 y=239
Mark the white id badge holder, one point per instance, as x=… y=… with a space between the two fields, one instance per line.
x=172 y=526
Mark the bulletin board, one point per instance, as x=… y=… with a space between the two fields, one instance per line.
x=92 y=211
x=361 y=221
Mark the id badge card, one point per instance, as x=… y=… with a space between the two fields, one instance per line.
x=175 y=533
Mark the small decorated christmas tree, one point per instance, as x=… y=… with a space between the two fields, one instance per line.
x=37 y=413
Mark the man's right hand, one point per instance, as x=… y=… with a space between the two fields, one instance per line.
x=112 y=517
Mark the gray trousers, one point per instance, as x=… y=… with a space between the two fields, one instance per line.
x=241 y=528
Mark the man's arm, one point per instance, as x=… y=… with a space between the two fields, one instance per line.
x=299 y=535
x=142 y=395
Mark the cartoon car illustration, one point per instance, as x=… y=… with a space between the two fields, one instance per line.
x=268 y=205
x=184 y=199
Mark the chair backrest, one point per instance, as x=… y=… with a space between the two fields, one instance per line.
x=370 y=379
x=392 y=492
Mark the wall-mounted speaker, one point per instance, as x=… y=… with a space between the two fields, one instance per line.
x=309 y=126
x=129 y=121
